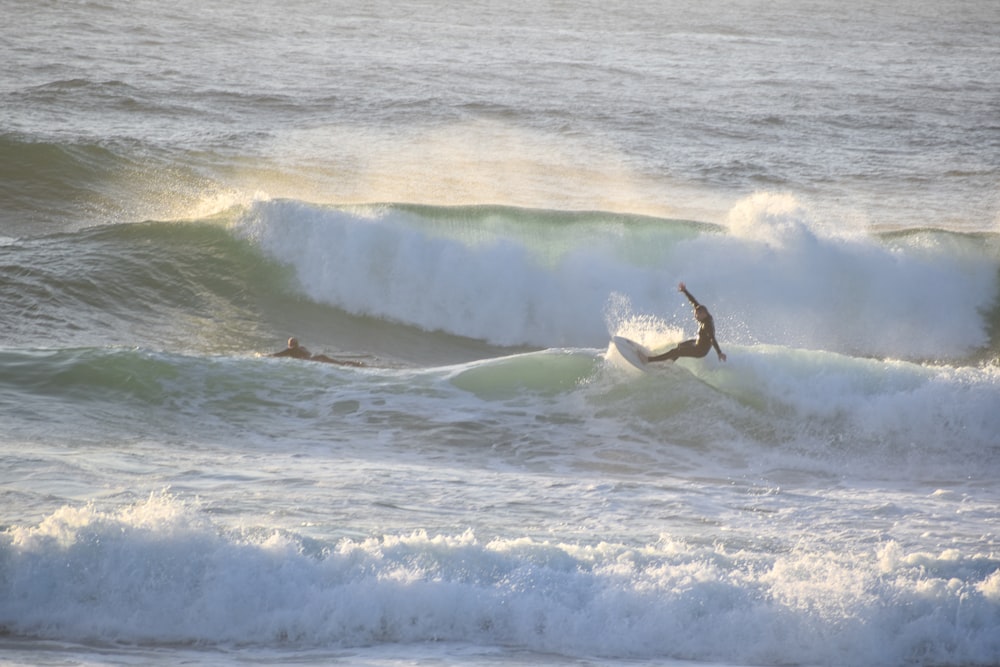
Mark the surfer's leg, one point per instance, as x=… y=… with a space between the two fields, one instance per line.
x=685 y=349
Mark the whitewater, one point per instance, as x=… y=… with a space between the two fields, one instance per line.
x=466 y=202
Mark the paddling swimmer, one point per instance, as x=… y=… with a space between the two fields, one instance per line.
x=296 y=351
x=699 y=346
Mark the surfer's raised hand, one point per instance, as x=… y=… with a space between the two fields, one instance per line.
x=681 y=287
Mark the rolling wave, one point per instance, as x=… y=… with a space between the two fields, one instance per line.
x=42 y=184
x=52 y=184
x=512 y=277
x=179 y=286
x=159 y=573
x=399 y=278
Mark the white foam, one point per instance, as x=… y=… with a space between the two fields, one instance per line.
x=886 y=415
x=773 y=279
x=158 y=572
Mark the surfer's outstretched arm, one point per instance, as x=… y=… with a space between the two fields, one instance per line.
x=683 y=288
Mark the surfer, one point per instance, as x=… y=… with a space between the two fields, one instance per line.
x=699 y=346
x=296 y=351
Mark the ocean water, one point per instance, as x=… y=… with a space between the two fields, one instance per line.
x=470 y=199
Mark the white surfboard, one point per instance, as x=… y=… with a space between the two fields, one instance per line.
x=631 y=351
